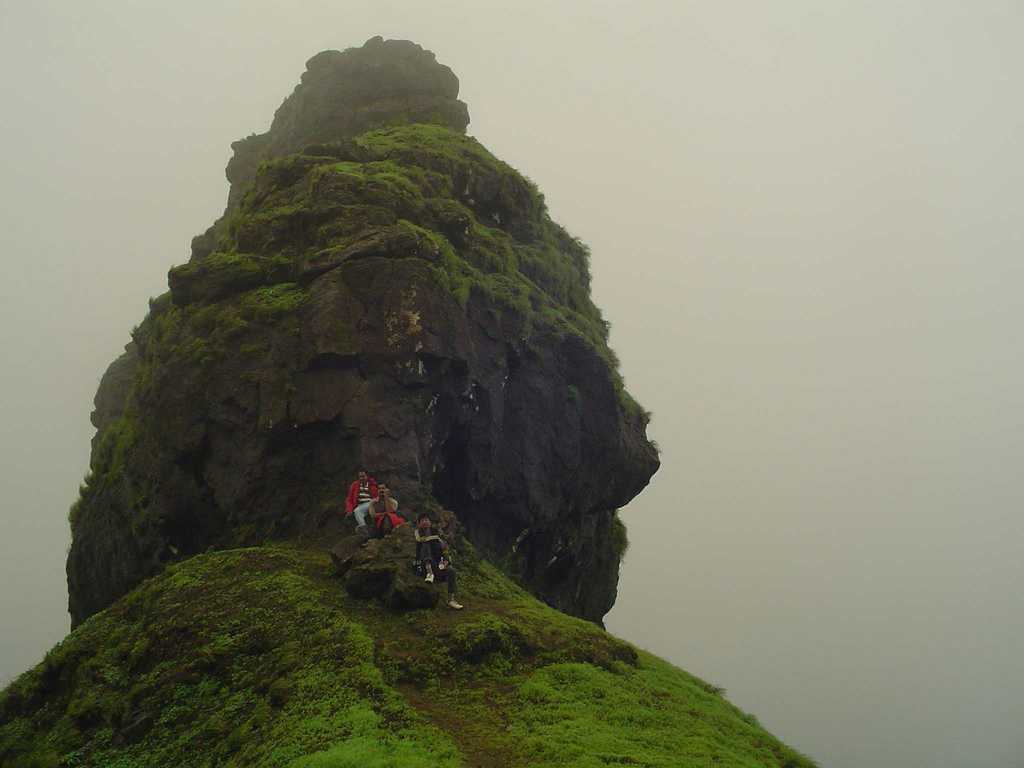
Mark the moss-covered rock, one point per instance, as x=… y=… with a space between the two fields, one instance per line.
x=344 y=93
x=259 y=657
x=381 y=290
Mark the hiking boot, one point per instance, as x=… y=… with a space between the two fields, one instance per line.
x=453 y=603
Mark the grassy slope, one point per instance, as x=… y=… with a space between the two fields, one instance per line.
x=258 y=657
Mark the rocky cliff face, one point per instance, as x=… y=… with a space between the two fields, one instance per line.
x=382 y=291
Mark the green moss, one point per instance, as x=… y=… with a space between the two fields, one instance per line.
x=485 y=636
x=619 y=536
x=257 y=657
x=75 y=511
x=434 y=142
x=108 y=463
x=200 y=656
x=491 y=233
x=272 y=302
x=453 y=273
x=541 y=273
x=203 y=334
x=117 y=440
x=229 y=261
x=491 y=250
x=580 y=716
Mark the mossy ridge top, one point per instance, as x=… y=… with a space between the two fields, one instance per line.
x=257 y=657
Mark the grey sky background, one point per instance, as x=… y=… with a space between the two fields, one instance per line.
x=806 y=232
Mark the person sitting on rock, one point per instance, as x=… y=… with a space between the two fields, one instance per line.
x=361 y=494
x=432 y=555
x=385 y=512
x=424 y=536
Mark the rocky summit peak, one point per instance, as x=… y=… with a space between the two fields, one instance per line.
x=381 y=291
x=344 y=93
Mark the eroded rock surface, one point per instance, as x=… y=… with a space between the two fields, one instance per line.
x=383 y=569
x=391 y=295
x=343 y=94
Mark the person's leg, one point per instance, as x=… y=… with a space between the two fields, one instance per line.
x=450 y=577
x=359 y=513
x=423 y=557
x=435 y=549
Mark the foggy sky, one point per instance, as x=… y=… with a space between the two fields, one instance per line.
x=806 y=233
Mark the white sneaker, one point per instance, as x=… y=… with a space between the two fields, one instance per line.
x=456 y=605
x=429 y=576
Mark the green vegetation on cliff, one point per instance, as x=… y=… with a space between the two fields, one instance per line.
x=414 y=191
x=408 y=192
x=258 y=657
x=453 y=242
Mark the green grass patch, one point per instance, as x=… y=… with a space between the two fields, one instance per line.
x=258 y=657
x=582 y=716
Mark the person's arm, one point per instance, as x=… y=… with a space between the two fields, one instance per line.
x=374 y=493
x=350 y=499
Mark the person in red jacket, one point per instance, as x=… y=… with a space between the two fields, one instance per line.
x=385 y=512
x=361 y=494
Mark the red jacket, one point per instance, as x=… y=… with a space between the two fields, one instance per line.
x=352 y=500
x=392 y=517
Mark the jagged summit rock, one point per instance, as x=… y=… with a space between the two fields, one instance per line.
x=381 y=290
x=345 y=93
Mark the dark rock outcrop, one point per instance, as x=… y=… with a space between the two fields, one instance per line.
x=343 y=94
x=382 y=569
x=113 y=394
x=395 y=297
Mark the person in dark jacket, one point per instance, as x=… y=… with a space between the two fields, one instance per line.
x=432 y=554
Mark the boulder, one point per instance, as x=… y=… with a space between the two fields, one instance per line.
x=383 y=569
